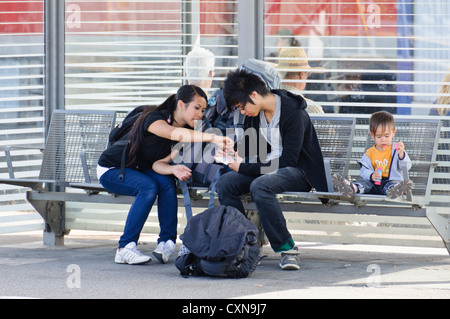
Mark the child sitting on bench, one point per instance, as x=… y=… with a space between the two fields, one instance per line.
x=380 y=166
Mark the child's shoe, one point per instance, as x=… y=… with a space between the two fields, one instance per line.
x=398 y=190
x=345 y=187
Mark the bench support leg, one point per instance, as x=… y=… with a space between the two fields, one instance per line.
x=53 y=214
x=440 y=222
x=253 y=216
x=50 y=238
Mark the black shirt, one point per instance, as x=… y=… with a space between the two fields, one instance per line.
x=153 y=147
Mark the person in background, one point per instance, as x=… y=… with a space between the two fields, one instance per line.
x=199 y=67
x=442 y=103
x=286 y=39
x=294 y=70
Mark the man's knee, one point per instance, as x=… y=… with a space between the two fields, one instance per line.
x=222 y=184
x=260 y=189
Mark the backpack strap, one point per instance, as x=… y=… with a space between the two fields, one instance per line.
x=187 y=199
x=238 y=123
x=212 y=188
x=123 y=158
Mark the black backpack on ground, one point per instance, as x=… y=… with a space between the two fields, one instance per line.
x=222 y=242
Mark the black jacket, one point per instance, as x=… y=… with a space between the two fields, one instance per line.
x=299 y=140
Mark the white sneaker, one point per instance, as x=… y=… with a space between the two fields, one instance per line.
x=131 y=255
x=164 y=251
x=159 y=250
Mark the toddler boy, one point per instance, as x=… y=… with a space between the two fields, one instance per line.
x=380 y=166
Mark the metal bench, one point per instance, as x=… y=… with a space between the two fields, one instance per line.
x=77 y=138
x=336 y=137
x=420 y=137
x=74 y=138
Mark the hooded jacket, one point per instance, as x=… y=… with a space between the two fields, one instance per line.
x=395 y=172
x=300 y=144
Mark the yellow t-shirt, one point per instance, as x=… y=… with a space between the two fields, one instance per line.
x=380 y=159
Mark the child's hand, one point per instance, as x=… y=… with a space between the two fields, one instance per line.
x=376 y=176
x=400 y=147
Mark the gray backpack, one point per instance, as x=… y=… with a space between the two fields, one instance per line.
x=265 y=71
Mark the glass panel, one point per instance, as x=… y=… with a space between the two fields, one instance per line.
x=121 y=54
x=21 y=103
x=390 y=55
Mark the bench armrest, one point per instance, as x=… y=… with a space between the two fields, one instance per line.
x=34 y=184
x=7 y=150
x=326 y=162
x=84 y=165
x=5 y=147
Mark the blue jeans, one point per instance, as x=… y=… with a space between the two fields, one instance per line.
x=263 y=190
x=146 y=187
x=369 y=187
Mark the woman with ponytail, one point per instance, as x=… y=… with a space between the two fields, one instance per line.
x=148 y=175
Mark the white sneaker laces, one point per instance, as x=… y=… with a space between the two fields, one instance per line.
x=131 y=253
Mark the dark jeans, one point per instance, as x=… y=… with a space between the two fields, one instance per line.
x=263 y=190
x=146 y=187
x=369 y=187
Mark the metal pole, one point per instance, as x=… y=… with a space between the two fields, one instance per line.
x=54 y=31
x=250 y=30
x=54 y=57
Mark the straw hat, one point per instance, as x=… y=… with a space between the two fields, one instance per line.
x=295 y=59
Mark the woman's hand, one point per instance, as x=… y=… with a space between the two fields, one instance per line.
x=223 y=143
x=181 y=172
